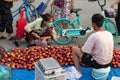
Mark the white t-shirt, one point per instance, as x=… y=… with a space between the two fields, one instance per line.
x=100 y=45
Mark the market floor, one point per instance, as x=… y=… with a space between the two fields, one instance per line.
x=79 y=41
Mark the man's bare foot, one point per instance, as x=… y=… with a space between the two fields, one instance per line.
x=79 y=70
x=10 y=36
x=1 y=36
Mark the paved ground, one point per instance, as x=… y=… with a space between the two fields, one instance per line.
x=88 y=9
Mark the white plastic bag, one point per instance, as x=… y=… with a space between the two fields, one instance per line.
x=5 y=73
x=73 y=74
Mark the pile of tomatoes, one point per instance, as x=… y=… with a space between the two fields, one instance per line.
x=26 y=57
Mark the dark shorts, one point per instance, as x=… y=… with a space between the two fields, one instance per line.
x=117 y=18
x=6 y=21
x=88 y=60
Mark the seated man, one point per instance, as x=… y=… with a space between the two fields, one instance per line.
x=97 y=52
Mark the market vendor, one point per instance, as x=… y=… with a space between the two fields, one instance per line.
x=40 y=28
x=97 y=52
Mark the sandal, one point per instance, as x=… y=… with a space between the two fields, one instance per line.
x=2 y=37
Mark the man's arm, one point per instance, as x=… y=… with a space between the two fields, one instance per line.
x=73 y=3
x=114 y=3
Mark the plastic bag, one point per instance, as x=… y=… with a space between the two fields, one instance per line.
x=5 y=73
x=72 y=73
x=40 y=42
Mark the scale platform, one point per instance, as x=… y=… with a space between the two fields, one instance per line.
x=48 y=64
x=49 y=69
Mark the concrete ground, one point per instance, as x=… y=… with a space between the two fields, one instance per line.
x=88 y=9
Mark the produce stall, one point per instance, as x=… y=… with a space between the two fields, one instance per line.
x=21 y=60
x=24 y=74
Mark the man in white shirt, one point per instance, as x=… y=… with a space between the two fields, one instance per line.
x=97 y=52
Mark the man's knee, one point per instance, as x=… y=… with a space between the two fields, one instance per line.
x=75 y=49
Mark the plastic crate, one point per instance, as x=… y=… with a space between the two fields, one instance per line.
x=30 y=1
